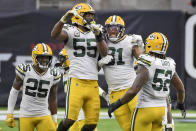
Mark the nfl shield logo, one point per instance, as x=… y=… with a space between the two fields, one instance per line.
x=77 y=34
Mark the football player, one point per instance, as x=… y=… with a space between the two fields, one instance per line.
x=39 y=91
x=120 y=73
x=63 y=66
x=154 y=74
x=83 y=41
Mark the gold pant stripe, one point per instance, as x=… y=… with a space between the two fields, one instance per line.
x=67 y=98
x=133 y=119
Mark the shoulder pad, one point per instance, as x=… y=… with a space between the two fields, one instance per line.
x=23 y=68
x=54 y=71
x=145 y=59
x=171 y=61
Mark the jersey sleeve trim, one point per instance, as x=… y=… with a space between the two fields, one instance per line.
x=57 y=77
x=18 y=69
x=144 y=61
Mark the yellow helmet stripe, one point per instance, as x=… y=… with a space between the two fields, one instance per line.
x=164 y=43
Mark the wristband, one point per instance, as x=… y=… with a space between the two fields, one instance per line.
x=99 y=37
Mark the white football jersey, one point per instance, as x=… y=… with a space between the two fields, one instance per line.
x=83 y=53
x=119 y=73
x=156 y=89
x=35 y=90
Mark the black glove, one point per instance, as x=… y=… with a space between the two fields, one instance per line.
x=182 y=108
x=113 y=107
x=168 y=129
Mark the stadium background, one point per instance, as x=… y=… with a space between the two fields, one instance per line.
x=28 y=23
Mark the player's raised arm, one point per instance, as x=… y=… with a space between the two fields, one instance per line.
x=136 y=51
x=101 y=44
x=57 y=33
x=138 y=44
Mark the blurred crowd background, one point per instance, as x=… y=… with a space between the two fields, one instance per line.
x=7 y=6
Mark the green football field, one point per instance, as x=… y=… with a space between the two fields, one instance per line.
x=112 y=125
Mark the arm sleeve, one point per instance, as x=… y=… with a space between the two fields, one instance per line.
x=12 y=100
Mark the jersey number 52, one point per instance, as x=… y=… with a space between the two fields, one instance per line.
x=161 y=80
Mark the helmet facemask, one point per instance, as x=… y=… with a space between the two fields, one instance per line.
x=114 y=28
x=88 y=19
x=44 y=61
x=62 y=61
x=114 y=32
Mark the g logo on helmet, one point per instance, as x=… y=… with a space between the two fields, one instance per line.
x=77 y=8
x=151 y=37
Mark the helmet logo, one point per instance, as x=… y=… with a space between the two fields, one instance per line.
x=152 y=37
x=77 y=8
x=35 y=48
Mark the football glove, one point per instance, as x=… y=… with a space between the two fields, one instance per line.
x=169 y=127
x=138 y=40
x=68 y=15
x=105 y=60
x=106 y=97
x=113 y=107
x=10 y=122
x=95 y=28
x=182 y=108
